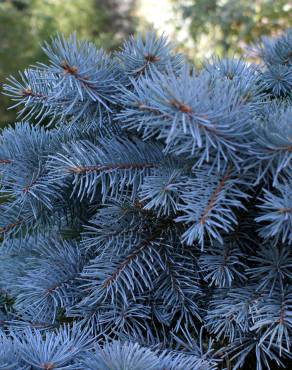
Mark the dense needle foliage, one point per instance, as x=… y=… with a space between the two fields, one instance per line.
x=146 y=219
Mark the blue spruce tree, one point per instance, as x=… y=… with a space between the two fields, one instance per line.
x=146 y=212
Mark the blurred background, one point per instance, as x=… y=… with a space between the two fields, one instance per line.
x=200 y=28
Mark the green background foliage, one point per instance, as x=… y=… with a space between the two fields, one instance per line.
x=227 y=26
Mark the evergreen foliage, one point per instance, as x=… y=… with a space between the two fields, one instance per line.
x=26 y=23
x=146 y=219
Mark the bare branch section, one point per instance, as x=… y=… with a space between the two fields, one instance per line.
x=111 y=167
x=214 y=196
